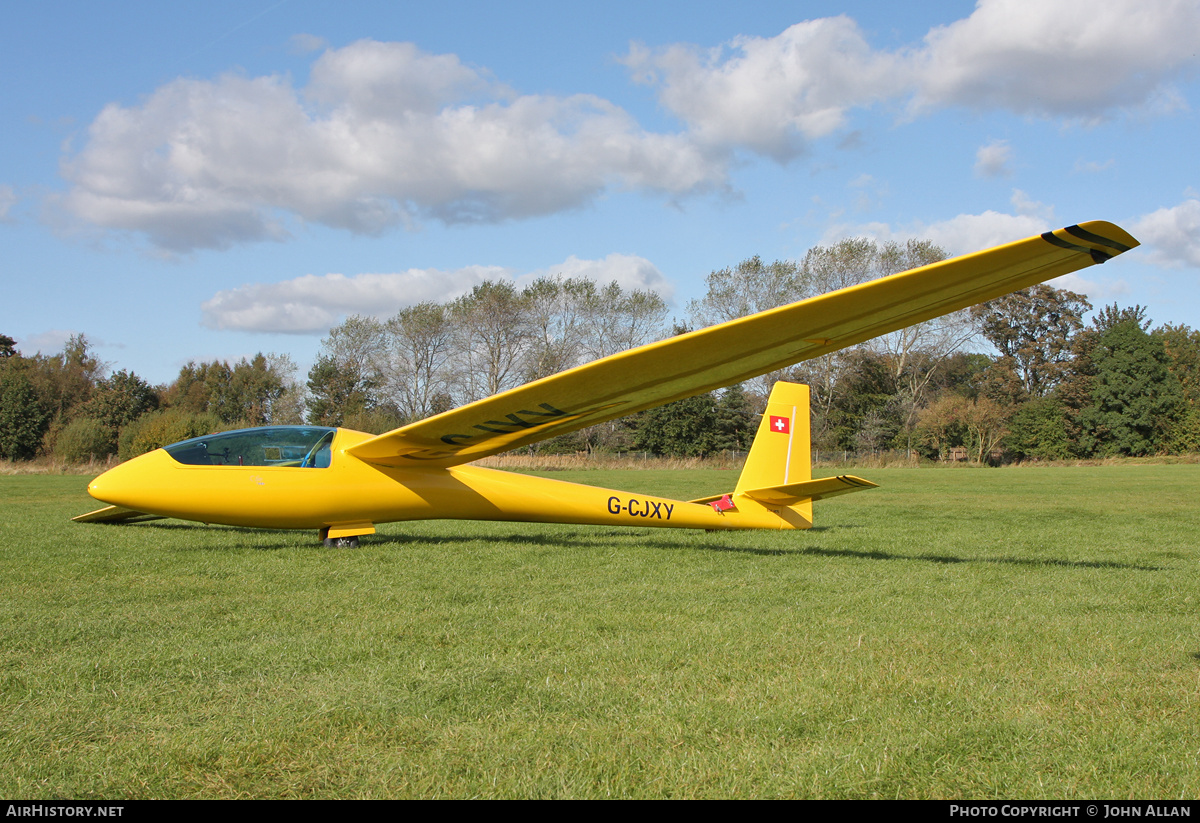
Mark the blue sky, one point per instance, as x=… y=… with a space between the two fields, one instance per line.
x=208 y=180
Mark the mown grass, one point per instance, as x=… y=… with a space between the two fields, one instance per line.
x=956 y=633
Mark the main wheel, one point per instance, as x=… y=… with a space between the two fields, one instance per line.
x=341 y=542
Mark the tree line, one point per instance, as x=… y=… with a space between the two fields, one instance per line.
x=1052 y=387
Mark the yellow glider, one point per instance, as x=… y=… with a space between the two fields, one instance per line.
x=343 y=482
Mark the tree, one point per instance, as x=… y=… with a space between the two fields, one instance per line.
x=64 y=381
x=420 y=338
x=846 y=263
x=618 y=320
x=254 y=389
x=685 y=428
x=865 y=398
x=8 y=347
x=1110 y=316
x=248 y=393
x=1033 y=330
x=360 y=344
x=116 y=402
x=337 y=391
x=913 y=355
x=851 y=262
x=24 y=418
x=558 y=311
x=734 y=420
x=200 y=388
x=491 y=326
x=916 y=353
x=431 y=356
x=978 y=424
x=1182 y=345
x=1185 y=435
x=987 y=424
x=349 y=373
x=287 y=409
x=1038 y=430
x=748 y=288
x=1136 y=400
x=940 y=426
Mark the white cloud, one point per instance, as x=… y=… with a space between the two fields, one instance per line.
x=628 y=271
x=771 y=94
x=1026 y=206
x=962 y=234
x=50 y=341
x=1068 y=58
x=973 y=232
x=8 y=199
x=993 y=159
x=386 y=135
x=313 y=304
x=967 y=233
x=1097 y=291
x=1172 y=235
x=383 y=135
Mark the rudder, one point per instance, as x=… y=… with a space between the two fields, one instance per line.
x=777 y=476
x=780 y=454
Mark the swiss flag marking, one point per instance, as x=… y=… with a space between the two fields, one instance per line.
x=780 y=424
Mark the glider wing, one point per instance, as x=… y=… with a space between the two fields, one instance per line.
x=721 y=355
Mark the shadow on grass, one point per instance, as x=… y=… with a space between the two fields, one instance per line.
x=278 y=539
x=579 y=539
x=1015 y=561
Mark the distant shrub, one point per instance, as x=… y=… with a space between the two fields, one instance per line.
x=375 y=421
x=83 y=439
x=1185 y=437
x=157 y=429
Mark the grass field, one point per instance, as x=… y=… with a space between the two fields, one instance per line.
x=957 y=633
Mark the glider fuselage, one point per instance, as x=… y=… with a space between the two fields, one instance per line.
x=349 y=495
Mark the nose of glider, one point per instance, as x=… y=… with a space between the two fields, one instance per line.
x=127 y=484
x=112 y=486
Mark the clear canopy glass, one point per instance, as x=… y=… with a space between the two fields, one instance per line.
x=295 y=446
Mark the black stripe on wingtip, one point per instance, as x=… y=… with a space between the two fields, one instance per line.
x=1084 y=234
x=1097 y=255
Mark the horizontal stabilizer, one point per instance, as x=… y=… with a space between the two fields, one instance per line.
x=115 y=514
x=819 y=489
x=795 y=492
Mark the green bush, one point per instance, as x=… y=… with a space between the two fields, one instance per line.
x=375 y=421
x=161 y=428
x=83 y=439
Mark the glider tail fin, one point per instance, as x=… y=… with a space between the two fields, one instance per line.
x=778 y=471
x=779 y=455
